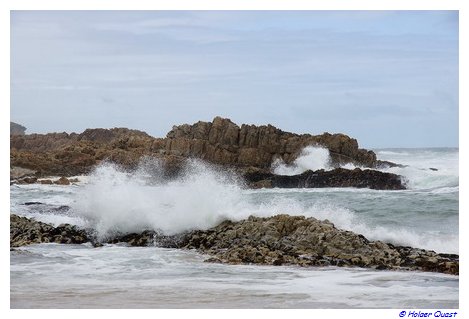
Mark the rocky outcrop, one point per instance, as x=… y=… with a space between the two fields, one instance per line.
x=338 y=177
x=16 y=129
x=224 y=142
x=19 y=175
x=25 y=231
x=296 y=240
x=75 y=154
x=277 y=240
x=219 y=142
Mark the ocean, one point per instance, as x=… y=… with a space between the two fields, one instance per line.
x=111 y=200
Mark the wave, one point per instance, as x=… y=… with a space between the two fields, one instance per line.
x=117 y=201
x=424 y=168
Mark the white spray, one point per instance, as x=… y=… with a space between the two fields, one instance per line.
x=310 y=158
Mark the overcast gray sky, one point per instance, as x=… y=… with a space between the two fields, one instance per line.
x=387 y=78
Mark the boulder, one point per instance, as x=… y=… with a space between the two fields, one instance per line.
x=62 y=181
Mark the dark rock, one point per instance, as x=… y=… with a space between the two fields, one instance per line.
x=387 y=164
x=338 y=177
x=151 y=238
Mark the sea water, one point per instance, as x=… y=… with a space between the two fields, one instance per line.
x=113 y=276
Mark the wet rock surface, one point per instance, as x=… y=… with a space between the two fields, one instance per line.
x=296 y=240
x=277 y=240
x=338 y=177
x=26 y=231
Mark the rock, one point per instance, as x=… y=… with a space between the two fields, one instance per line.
x=223 y=142
x=19 y=173
x=338 y=177
x=46 y=182
x=219 y=142
x=16 y=129
x=26 y=231
x=62 y=181
x=150 y=238
x=387 y=164
x=76 y=154
x=296 y=240
x=25 y=180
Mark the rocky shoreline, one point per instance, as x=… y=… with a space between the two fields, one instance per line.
x=245 y=148
x=277 y=240
x=26 y=231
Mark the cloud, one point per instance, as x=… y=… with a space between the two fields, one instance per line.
x=103 y=68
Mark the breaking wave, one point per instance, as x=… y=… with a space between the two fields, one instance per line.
x=423 y=169
x=310 y=158
x=428 y=169
x=117 y=201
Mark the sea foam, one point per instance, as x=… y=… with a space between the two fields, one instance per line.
x=428 y=169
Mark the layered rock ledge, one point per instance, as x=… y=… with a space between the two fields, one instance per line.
x=277 y=240
x=338 y=177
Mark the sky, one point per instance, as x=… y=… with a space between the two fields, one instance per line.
x=386 y=78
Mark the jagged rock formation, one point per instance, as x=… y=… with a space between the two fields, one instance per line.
x=220 y=141
x=223 y=142
x=16 y=129
x=338 y=177
x=277 y=240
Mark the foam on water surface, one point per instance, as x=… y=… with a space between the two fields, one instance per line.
x=148 y=277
